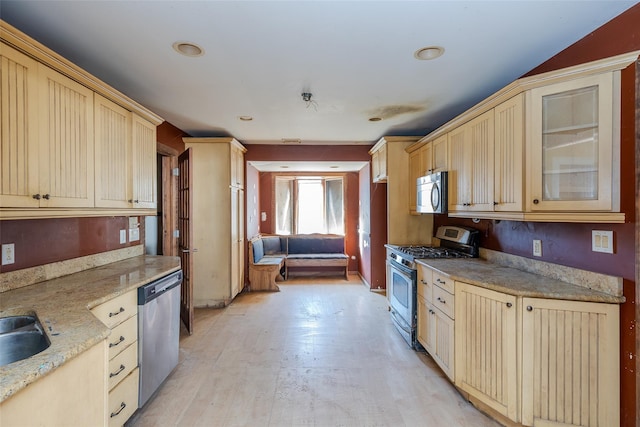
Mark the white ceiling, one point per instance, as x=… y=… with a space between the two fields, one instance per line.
x=355 y=57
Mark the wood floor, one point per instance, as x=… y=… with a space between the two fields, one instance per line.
x=318 y=353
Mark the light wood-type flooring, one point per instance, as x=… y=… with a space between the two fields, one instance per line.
x=318 y=353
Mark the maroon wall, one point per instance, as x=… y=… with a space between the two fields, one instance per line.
x=171 y=136
x=570 y=244
x=43 y=241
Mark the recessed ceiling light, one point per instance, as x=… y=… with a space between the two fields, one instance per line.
x=284 y=167
x=430 y=52
x=246 y=118
x=375 y=119
x=188 y=49
x=334 y=167
x=291 y=140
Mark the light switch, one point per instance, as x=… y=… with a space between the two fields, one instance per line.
x=602 y=241
x=8 y=254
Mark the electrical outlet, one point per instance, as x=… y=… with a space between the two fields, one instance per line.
x=134 y=234
x=537 y=248
x=123 y=237
x=602 y=241
x=8 y=254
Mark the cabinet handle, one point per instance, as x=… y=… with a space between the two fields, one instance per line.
x=423 y=282
x=509 y=305
x=115 y=344
x=45 y=196
x=536 y=201
x=116 y=373
x=440 y=281
x=529 y=308
x=122 y=406
x=441 y=300
x=36 y=196
x=133 y=201
x=116 y=312
x=495 y=203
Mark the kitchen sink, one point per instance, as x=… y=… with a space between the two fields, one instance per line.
x=21 y=337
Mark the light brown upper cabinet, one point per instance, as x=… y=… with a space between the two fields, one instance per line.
x=571 y=150
x=71 y=145
x=544 y=148
x=379 y=163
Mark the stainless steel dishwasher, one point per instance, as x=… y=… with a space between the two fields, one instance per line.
x=158 y=332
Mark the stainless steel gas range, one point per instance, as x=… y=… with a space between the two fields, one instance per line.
x=455 y=242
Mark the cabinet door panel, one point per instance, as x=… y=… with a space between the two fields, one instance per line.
x=18 y=118
x=570 y=363
x=480 y=134
x=442 y=331
x=144 y=163
x=509 y=140
x=67 y=143
x=113 y=159
x=439 y=154
x=486 y=347
x=572 y=145
x=459 y=191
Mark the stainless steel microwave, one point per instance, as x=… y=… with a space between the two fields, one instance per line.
x=432 y=193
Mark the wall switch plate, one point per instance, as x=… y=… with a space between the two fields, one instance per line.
x=602 y=241
x=123 y=237
x=537 y=248
x=134 y=234
x=8 y=254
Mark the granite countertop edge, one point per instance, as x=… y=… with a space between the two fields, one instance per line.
x=515 y=282
x=63 y=308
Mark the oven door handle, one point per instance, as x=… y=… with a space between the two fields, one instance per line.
x=400 y=321
x=404 y=269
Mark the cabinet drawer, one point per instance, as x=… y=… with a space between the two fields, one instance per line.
x=122 y=336
x=443 y=281
x=123 y=400
x=444 y=301
x=425 y=276
x=117 y=310
x=121 y=365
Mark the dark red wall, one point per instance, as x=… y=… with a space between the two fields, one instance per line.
x=43 y=241
x=570 y=244
x=171 y=136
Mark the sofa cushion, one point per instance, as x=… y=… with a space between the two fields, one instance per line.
x=317 y=256
x=312 y=245
x=258 y=250
x=272 y=245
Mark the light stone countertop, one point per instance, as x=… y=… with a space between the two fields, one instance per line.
x=62 y=306
x=516 y=282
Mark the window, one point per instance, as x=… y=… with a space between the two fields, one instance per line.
x=309 y=205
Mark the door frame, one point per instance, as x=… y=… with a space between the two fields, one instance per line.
x=169 y=200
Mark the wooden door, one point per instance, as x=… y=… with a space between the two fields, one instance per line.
x=185 y=228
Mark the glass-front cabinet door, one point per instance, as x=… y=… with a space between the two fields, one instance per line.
x=573 y=146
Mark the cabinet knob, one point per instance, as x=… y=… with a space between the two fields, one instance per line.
x=509 y=305
x=495 y=203
x=536 y=201
x=45 y=196
x=529 y=308
x=36 y=196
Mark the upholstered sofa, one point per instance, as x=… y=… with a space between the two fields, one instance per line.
x=273 y=255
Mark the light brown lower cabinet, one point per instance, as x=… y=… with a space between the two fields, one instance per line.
x=72 y=395
x=486 y=348
x=121 y=315
x=538 y=362
x=570 y=363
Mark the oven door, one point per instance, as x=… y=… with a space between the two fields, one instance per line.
x=402 y=299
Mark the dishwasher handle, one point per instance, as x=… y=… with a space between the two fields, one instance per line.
x=153 y=290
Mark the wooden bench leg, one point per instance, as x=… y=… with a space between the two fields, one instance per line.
x=263 y=278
